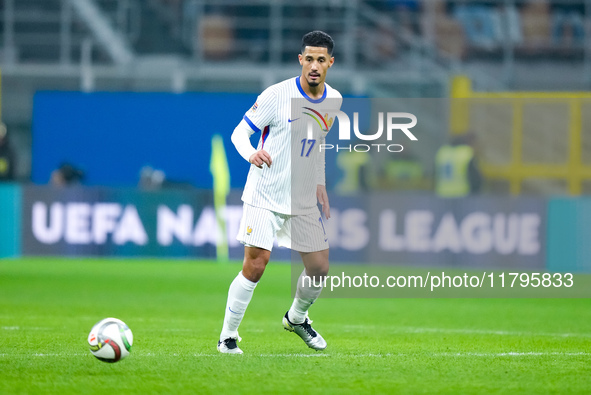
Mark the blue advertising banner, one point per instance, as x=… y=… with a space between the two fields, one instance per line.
x=10 y=220
x=111 y=136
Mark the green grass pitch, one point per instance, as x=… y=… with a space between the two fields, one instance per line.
x=175 y=308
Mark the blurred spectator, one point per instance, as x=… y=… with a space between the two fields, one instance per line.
x=404 y=12
x=7 y=156
x=456 y=172
x=215 y=37
x=567 y=21
x=443 y=32
x=407 y=14
x=356 y=173
x=151 y=179
x=535 y=19
x=509 y=23
x=402 y=172
x=66 y=175
x=480 y=23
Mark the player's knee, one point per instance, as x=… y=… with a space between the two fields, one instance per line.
x=318 y=272
x=258 y=264
x=253 y=269
x=316 y=263
x=255 y=263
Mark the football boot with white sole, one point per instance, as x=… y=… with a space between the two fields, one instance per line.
x=304 y=330
x=229 y=346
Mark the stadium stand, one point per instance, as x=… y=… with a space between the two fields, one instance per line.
x=386 y=48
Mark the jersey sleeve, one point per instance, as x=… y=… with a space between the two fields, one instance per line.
x=241 y=140
x=263 y=111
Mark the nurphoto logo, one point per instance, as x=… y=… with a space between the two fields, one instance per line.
x=391 y=126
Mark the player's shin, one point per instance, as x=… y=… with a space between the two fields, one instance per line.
x=308 y=290
x=239 y=297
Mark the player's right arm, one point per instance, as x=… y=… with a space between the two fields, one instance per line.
x=260 y=115
x=260 y=157
x=241 y=140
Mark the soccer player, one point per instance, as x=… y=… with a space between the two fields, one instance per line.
x=285 y=183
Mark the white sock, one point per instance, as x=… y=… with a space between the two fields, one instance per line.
x=239 y=297
x=306 y=294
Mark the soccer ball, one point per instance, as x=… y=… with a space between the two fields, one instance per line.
x=110 y=340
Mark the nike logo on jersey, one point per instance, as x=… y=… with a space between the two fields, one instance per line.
x=292 y=120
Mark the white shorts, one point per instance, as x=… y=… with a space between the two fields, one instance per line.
x=302 y=233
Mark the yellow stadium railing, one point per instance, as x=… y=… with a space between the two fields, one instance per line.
x=573 y=171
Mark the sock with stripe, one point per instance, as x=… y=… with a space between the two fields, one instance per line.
x=239 y=297
x=306 y=294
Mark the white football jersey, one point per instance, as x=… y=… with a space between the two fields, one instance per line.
x=293 y=127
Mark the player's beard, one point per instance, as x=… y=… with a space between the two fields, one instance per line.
x=314 y=83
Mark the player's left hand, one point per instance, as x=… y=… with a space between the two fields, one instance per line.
x=323 y=200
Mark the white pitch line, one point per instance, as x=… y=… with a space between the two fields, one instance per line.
x=350 y=328
x=414 y=330
x=472 y=354
x=25 y=328
x=494 y=332
x=269 y=355
x=388 y=355
x=514 y=354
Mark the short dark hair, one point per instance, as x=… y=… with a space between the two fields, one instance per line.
x=318 y=38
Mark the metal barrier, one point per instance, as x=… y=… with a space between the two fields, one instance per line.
x=528 y=136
